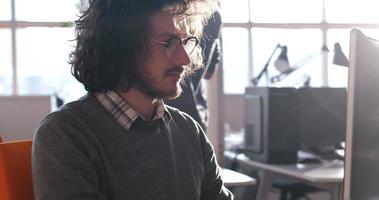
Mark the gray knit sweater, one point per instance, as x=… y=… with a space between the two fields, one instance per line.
x=81 y=152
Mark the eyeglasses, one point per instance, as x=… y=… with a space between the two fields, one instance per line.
x=172 y=44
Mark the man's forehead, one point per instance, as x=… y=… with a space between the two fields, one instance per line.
x=172 y=35
x=164 y=24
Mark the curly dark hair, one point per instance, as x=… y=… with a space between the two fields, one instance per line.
x=112 y=35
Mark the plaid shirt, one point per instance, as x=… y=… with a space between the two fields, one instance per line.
x=122 y=111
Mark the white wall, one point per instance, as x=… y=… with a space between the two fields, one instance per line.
x=20 y=115
x=234 y=111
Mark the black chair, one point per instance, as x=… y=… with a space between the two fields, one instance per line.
x=294 y=190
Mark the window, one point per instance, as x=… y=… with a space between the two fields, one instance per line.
x=5 y=61
x=253 y=28
x=39 y=70
x=352 y=11
x=5 y=10
x=35 y=42
x=302 y=44
x=237 y=60
x=46 y=10
x=35 y=46
x=288 y=11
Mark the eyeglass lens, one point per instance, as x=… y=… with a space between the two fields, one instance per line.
x=189 y=45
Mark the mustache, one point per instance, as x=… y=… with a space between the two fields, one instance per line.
x=176 y=70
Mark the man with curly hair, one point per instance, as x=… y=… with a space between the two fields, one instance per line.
x=120 y=141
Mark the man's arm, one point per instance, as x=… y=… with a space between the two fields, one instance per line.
x=213 y=187
x=61 y=164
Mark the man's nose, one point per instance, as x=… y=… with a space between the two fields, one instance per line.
x=180 y=57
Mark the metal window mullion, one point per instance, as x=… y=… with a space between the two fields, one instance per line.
x=14 y=49
x=250 y=46
x=250 y=55
x=299 y=25
x=325 y=56
x=25 y=24
x=324 y=31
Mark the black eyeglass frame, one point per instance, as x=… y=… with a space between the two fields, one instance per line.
x=182 y=41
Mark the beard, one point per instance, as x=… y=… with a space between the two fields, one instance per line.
x=150 y=85
x=148 y=88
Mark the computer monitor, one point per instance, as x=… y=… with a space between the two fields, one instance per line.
x=322 y=119
x=20 y=115
x=361 y=178
x=281 y=121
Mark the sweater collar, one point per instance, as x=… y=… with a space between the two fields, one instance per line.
x=124 y=114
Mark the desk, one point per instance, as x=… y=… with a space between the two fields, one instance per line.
x=323 y=175
x=232 y=178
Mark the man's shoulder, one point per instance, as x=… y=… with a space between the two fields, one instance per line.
x=86 y=105
x=74 y=112
x=72 y=120
x=178 y=114
x=183 y=120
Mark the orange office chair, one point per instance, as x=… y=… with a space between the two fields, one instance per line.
x=15 y=170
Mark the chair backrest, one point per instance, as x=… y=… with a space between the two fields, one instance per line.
x=15 y=170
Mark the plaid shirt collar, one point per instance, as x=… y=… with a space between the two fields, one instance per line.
x=123 y=112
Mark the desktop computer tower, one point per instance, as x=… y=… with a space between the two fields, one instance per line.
x=271 y=115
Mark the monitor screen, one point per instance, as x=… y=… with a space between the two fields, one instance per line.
x=322 y=119
x=361 y=178
x=286 y=119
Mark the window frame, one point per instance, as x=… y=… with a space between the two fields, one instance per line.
x=323 y=26
x=13 y=25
